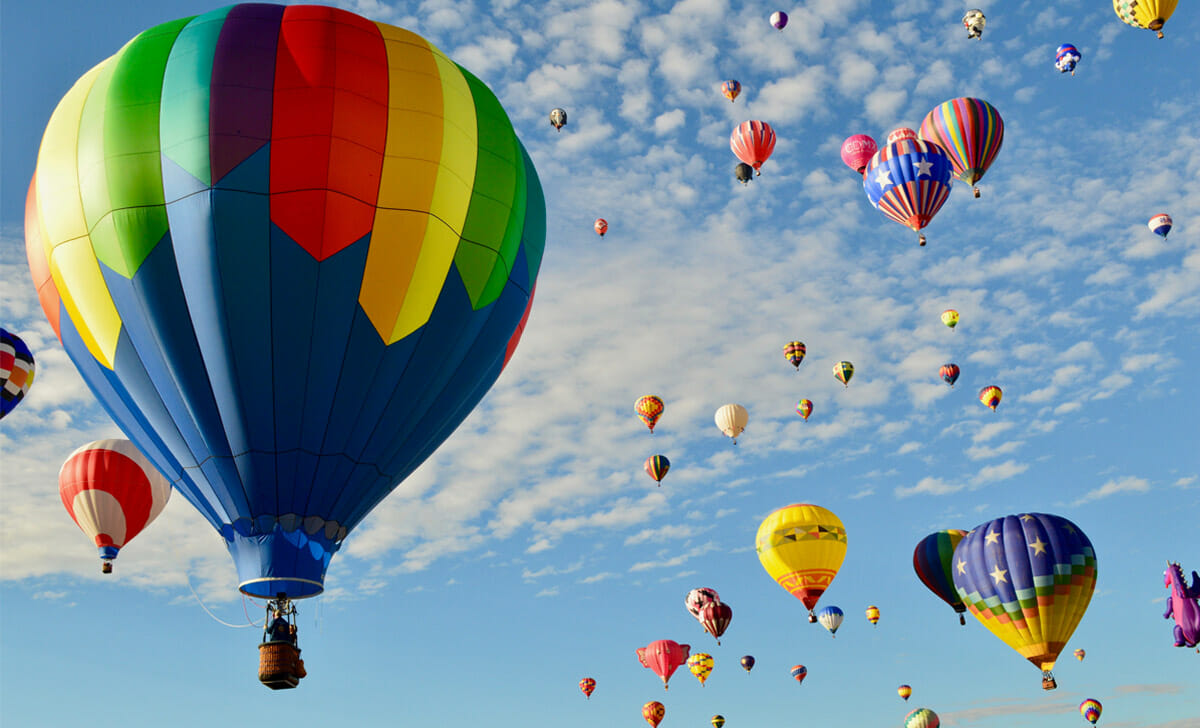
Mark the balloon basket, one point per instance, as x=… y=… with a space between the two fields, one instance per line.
x=1048 y=682
x=279 y=665
x=977 y=189
x=106 y=567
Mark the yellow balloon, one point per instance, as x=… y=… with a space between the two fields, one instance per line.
x=802 y=547
x=1148 y=14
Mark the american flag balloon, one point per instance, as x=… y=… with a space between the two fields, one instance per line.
x=909 y=181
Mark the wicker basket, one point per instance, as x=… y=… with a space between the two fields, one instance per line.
x=278 y=666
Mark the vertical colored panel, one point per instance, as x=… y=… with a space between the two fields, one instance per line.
x=39 y=265
x=534 y=236
x=242 y=86
x=329 y=127
x=184 y=123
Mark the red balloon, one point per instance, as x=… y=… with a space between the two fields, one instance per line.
x=653 y=712
x=663 y=657
x=716 y=618
x=600 y=226
x=753 y=142
x=587 y=685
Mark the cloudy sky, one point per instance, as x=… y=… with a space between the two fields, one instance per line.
x=531 y=550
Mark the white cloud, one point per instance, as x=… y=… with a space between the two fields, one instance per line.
x=1128 y=484
x=928 y=486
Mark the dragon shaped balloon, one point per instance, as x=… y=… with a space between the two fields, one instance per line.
x=1183 y=605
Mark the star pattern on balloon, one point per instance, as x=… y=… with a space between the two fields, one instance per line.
x=962 y=566
x=923 y=167
x=883 y=176
x=999 y=575
x=1039 y=546
x=992 y=538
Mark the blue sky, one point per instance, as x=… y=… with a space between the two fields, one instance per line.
x=531 y=550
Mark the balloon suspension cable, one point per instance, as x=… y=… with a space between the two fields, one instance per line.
x=249 y=622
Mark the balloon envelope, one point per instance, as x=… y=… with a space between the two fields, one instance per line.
x=699 y=598
x=950 y=317
x=747 y=662
x=1080 y=654
x=587 y=685
x=656 y=466
x=799 y=672
x=904 y=691
x=779 y=19
x=1090 y=709
x=804 y=408
x=831 y=618
x=663 y=657
x=717 y=721
x=287 y=248
x=731 y=89
x=843 y=371
x=922 y=718
x=752 y=142
x=909 y=181
x=731 y=419
x=970 y=131
x=649 y=408
x=1161 y=224
x=873 y=614
x=949 y=373
x=700 y=665
x=794 y=352
x=558 y=118
x=16 y=371
x=802 y=546
x=933 y=560
x=600 y=226
x=990 y=396
x=1148 y=14
x=653 y=712
x=716 y=618
x=857 y=150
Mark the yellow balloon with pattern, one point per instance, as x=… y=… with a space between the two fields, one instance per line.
x=802 y=547
x=700 y=664
x=1147 y=14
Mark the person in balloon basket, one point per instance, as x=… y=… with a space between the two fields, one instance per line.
x=280 y=630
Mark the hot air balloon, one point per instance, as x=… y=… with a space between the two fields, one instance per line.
x=1090 y=710
x=873 y=614
x=922 y=718
x=794 y=352
x=731 y=89
x=653 y=712
x=558 y=118
x=752 y=142
x=112 y=492
x=1080 y=654
x=283 y=301
x=831 y=618
x=699 y=598
x=799 y=672
x=663 y=657
x=990 y=396
x=974 y=21
x=949 y=373
x=857 y=150
x=1148 y=14
x=899 y=133
x=804 y=408
x=731 y=419
x=970 y=131
x=16 y=371
x=950 y=317
x=743 y=172
x=587 y=685
x=933 y=560
x=843 y=371
x=904 y=691
x=909 y=181
x=1066 y=58
x=717 y=721
x=649 y=408
x=1028 y=578
x=657 y=466
x=1161 y=224
x=700 y=665
x=716 y=617
x=747 y=662
x=801 y=546
x=778 y=19
x=600 y=226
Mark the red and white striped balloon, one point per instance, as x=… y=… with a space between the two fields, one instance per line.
x=753 y=142
x=112 y=492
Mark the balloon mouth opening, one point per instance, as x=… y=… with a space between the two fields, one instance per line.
x=291 y=587
x=1156 y=24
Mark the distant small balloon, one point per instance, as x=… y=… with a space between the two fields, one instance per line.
x=794 y=351
x=904 y=691
x=831 y=618
x=779 y=19
x=587 y=685
x=949 y=373
x=731 y=419
x=731 y=89
x=558 y=119
x=1080 y=654
x=873 y=614
x=747 y=662
x=1161 y=224
x=1090 y=710
x=717 y=721
x=1066 y=58
x=990 y=396
x=799 y=672
x=974 y=21
x=601 y=226
x=804 y=408
x=653 y=712
x=950 y=317
x=743 y=172
x=843 y=370
x=656 y=467
x=857 y=150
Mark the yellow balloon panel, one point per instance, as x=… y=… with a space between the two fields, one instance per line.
x=802 y=546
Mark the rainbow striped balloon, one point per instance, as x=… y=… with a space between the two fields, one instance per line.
x=970 y=130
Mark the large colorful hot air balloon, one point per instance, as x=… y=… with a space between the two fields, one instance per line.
x=1090 y=710
x=731 y=89
x=990 y=396
x=752 y=142
x=699 y=598
x=587 y=685
x=600 y=226
x=649 y=408
x=700 y=665
x=779 y=19
x=1148 y=14
x=663 y=657
x=843 y=371
x=715 y=617
x=1028 y=578
x=933 y=560
x=794 y=352
x=1066 y=57
x=950 y=317
x=731 y=419
x=857 y=150
x=909 y=181
x=970 y=131
x=1080 y=654
x=16 y=371
x=873 y=615
x=904 y=691
x=112 y=492
x=653 y=712
x=802 y=547
x=799 y=672
x=804 y=408
x=949 y=373
x=974 y=21
x=747 y=662
x=717 y=721
x=287 y=248
x=656 y=467
x=922 y=718
x=558 y=118
x=831 y=618
x=1160 y=224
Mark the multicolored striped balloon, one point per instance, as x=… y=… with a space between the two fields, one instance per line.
x=933 y=560
x=656 y=466
x=794 y=352
x=804 y=408
x=1090 y=709
x=990 y=396
x=922 y=718
x=16 y=371
x=909 y=181
x=752 y=142
x=287 y=248
x=873 y=615
x=731 y=89
x=1029 y=579
x=904 y=691
x=971 y=132
x=949 y=373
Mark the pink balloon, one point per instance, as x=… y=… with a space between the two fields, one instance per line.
x=857 y=151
